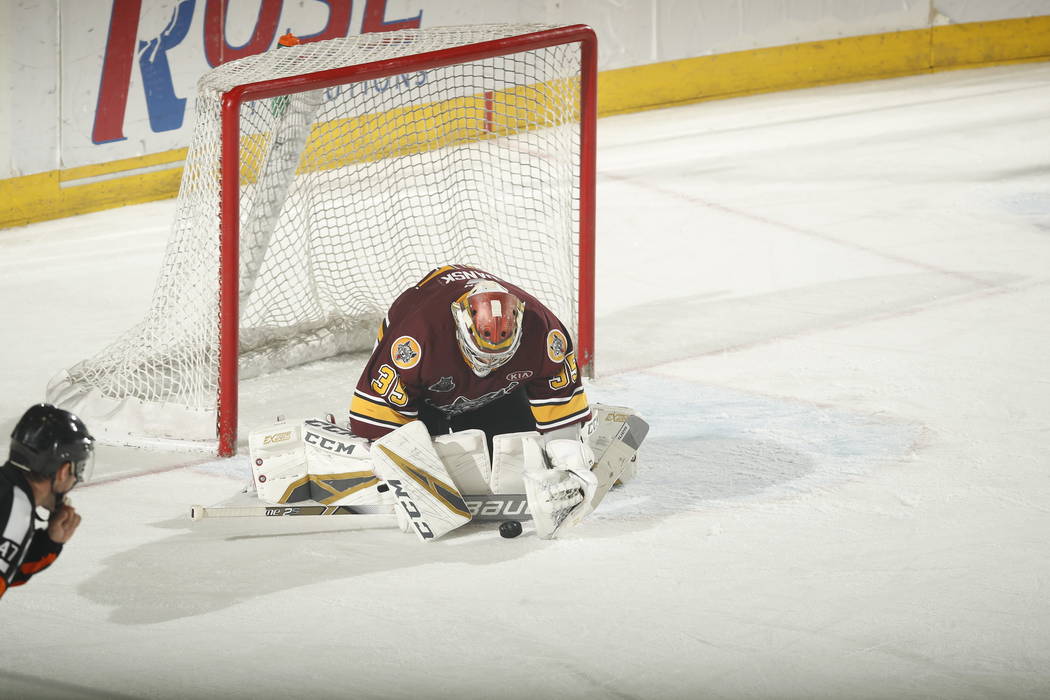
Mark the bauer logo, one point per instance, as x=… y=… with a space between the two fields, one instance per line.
x=519 y=376
x=498 y=506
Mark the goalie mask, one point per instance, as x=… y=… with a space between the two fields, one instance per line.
x=488 y=322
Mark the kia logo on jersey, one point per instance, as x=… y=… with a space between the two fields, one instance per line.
x=519 y=376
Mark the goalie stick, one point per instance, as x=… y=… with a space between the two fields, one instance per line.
x=483 y=508
x=201 y=512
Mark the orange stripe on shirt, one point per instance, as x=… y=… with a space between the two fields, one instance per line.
x=32 y=567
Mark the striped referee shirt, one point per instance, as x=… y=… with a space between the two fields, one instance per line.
x=24 y=550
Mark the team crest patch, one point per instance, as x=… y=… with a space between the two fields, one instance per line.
x=405 y=352
x=557 y=345
x=443 y=384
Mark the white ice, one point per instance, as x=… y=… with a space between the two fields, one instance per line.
x=832 y=305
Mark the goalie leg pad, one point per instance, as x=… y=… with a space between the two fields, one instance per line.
x=312 y=460
x=279 y=469
x=512 y=454
x=614 y=435
x=466 y=458
x=339 y=466
x=407 y=461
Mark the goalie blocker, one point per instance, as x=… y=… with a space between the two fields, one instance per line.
x=562 y=478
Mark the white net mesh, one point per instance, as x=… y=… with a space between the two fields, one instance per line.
x=348 y=195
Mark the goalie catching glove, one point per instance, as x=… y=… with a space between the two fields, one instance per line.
x=560 y=496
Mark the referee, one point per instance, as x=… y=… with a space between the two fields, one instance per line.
x=51 y=452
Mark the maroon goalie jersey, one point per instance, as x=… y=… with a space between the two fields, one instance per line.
x=417 y=361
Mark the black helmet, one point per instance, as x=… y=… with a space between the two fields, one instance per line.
x=47 y=437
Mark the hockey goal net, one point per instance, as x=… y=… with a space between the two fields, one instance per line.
x=325 y=178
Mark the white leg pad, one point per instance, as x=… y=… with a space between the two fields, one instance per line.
x=279 y=462
x=614 y=435
x=606 y=422
x=512 y=453
x=407 y=461
x=312 y=460
x=630 y=470
x=339 y=466
x=466 y=458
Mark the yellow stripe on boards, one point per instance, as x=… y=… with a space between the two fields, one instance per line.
x=849 y=59
x=55 y=194
x=420 y=128
x=990 y=43
x=761 y=70
x=423 y=127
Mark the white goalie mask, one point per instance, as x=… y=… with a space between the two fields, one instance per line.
x=488 y=321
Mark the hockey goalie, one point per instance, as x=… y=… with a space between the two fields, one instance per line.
x=471 y=390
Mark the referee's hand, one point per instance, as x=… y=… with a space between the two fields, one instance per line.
x=62 y=524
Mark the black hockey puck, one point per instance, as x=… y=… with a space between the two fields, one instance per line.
x=382 y=488
x=509 y=529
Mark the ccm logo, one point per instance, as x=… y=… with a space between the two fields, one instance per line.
x=413 y=512
x=328 y=443
x=519 y=376
x=277 y=437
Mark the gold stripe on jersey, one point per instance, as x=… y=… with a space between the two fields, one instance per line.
x=435 y=273
x=371 y=411
x=549 y=413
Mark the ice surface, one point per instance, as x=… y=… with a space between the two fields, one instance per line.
x=832 y=307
